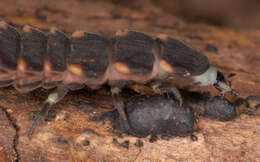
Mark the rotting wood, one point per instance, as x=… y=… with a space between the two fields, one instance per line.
x=64 y=139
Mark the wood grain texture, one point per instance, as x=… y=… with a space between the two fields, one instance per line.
x=70 y=137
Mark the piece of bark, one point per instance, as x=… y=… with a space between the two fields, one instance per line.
x=68 y=137
x=7 y=137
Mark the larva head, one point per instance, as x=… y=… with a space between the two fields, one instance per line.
x=215 y=78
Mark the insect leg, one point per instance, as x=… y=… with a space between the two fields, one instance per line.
x=160 y=88
x=120 y=106
x=52 y=99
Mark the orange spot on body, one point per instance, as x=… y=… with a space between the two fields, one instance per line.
x=21 y=65
x=122 y=68
x=53 y=30
x=78 y=34
x=3 y=25
x=76 y=69
x=187 y=74
x=163 y=37
x=122 y=33
x=47 y=66
x=166 y=66
x=27 y=29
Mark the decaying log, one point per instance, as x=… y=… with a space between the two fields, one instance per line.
x=75 y=132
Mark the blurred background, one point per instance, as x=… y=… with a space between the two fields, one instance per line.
x=240 y=14
x=231 y=13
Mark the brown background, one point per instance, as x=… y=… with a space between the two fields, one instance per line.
x=63 y=138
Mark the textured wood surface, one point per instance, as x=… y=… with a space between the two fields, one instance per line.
x=70 y=137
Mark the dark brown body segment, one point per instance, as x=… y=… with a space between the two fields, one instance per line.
x=58 y=48
x=33 y=49
x=30 y=63
x=133 y=50
x=182 y=58
x=9 y=53
x=89 y=52
x=9 y=46
x=55 y=62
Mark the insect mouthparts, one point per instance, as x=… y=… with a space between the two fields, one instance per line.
x=221 y=84
x=223 y=88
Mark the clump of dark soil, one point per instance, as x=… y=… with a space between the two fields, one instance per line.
x=157 y=115
x=216 y=108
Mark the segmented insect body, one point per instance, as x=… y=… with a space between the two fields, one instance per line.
x=32 y=59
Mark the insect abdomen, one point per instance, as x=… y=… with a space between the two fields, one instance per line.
x=33 y=59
